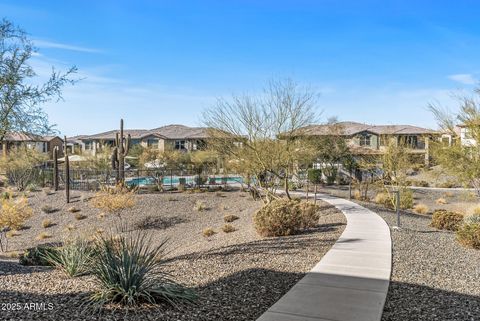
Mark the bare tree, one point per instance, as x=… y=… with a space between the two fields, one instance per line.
x=20 y=98
x=259 y=134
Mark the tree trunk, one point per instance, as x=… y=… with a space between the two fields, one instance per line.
x=286 y=188
x=315 y=198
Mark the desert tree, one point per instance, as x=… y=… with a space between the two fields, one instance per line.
x=461 y=160
x=21 y=97
x=259 y=134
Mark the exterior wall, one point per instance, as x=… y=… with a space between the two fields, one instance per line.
x=465 y=138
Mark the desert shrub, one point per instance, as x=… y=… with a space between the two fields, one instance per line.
x=357 y=195
x=382 y=198
x=128 y=270
x=441 y=201
x=46 y=223
x=43 y=236
x=446 y=220
x=469 y=235
x=447 y=184
x=47 y=191
x=7 y=194
x=12 y=233
x=208 y=232
x=114 y=200
x=448 y=194
x=36 y=256
x=200 y=206
x=230 y=218
x=420 y=183
x=314 y=175
x=73 y=258
x=20 y=166
x=47 y=209
x=73 y=209
x=80 y=216
x=32 y=187
x=14 y=213
x=421 y=209
x=228 y=228
x=283 y=217
x=70 y=227
x=309 y=215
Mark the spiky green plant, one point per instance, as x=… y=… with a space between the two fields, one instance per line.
x=128 y=271
x=73 y=259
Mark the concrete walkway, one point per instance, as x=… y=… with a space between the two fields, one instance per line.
x=351 y=281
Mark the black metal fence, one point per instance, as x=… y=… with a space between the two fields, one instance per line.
x=149 y=179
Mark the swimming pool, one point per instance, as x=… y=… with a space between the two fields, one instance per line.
x=175 y=180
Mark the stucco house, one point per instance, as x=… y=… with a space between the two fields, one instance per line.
x=364 y=139
x=170 y=137
x=42 y=144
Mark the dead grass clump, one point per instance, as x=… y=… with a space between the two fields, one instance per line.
x=200 y=206
x=46 y=223
x=228 y=228
x=113 y=200
x=209 y=232
x=73 y=209
x=79 y=216
x=12 y=233
x=43 y=236
x=47 y=209
x=14 y=213
x=230 y=218
x=448 y=194
x=382 y=198
x=441 y=201
x=70 y=228
x=420 y=209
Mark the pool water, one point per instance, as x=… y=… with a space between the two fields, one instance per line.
x=175 y=180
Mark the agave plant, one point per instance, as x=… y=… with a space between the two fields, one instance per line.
x=129 y=272
x=74 y=258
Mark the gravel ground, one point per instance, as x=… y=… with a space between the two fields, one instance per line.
x=236 y=275
x=433 y=277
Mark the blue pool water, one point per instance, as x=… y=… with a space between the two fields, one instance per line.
x=175 y=180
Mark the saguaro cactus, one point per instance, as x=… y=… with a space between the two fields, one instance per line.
x=55 y=168
x=120 y=150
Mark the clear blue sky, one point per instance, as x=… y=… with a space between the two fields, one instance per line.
x=161 y=62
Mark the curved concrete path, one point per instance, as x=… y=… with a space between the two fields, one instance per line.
x=351 y=281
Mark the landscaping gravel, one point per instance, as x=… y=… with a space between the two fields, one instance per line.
x=433 y=277
x=237 y=275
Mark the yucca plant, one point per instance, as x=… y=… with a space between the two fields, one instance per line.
x=128 y=270
x=74 y=258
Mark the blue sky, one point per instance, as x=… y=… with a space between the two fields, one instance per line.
x=160 y=62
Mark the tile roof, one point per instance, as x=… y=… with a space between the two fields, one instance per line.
x=26 y=137
x=352 y=128
x=180 y=132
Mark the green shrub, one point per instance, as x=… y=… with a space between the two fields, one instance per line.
x=446 y=220
x=283 y=217
x=73 y=258
x=128 y=271
x=472 y=218
x=469 y=235
x=314 y=175
x=36 y=256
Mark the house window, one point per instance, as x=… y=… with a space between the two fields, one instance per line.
x=152 y=143
x=364 y=140
x=180 y=145
x=88 y=145
x=44 y=148
x=410 y=141
x=199 y=145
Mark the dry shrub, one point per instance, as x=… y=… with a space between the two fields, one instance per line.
x=70 y=227
x=12 y=233
x=357 y=195
x=441 y=201
x=420 y=209
x=14 y=213
x=230 y=218
x=79 y=216
x=469 y=235
x=73 y=209
x=382 y=198
x=43 y=236
x=283 y=217
x=448 y=194
x=46 y=223
x=47 y=209
x=228 y=228
x=114 y=200
x=209 y=232
x=200 y=206
x=472 y=217
x=446 y=220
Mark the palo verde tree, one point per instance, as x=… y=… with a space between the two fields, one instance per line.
x=461 y=160
x=21 y=97
x=260 y=133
